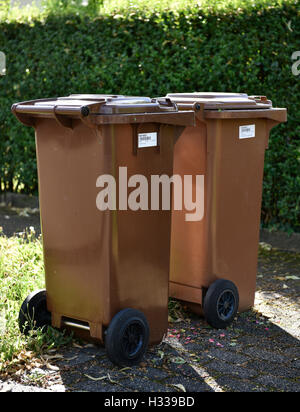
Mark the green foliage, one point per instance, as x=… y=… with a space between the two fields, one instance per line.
x=21 y=272
x=145 y=48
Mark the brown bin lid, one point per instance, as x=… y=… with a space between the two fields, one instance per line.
x=99 y=104
x=103 y=109
x=114 y=104
x=215 y=101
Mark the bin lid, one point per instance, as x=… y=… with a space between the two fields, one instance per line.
x=102 y=104
x=110 y=104
x=101 y=108
x=215 y=101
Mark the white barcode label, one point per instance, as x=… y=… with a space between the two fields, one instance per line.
x=246 y=132
x=147 y=139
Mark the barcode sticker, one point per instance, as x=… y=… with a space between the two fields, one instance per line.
x=246 y=132
x=147 y=139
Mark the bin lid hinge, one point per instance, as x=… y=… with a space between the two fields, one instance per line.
x=62 y=120
x=199 y=111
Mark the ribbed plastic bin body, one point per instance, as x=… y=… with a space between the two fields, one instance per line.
x=227 y=147
x=98 y=262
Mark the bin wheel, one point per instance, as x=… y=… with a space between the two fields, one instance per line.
x=221 y=303
x=33 y=313
x=127 y=337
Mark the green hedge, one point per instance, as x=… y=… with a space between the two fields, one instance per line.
x=236 y=51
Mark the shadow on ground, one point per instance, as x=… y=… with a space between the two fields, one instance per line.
x=253 y=355
x=18 y=220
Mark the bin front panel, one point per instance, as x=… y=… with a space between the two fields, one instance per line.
x=141 y=238
x=236 y=191
x=100 y=262
x=76 y=236
x=225 y=243
x=188 y=241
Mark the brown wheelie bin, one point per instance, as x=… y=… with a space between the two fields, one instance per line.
x=214 y=258
x=106 y=271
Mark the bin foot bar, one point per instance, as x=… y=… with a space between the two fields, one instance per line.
x=78 y=324
x=186 y=293
x=95 y=329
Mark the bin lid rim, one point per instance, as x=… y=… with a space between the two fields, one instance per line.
x=104 y=104
x=100 y=105
x=85 y=100
x=106 y=98
x=219 y=100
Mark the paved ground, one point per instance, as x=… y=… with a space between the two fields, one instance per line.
x=16 y=220
x=259 y=353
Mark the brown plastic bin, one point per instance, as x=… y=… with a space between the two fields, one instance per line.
x=214 y=260
x=106 y=272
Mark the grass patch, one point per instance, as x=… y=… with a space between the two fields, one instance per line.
x=21 y=272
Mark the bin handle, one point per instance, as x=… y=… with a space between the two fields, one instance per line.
x=59 y=110
x=166 y=102
x=25 y=113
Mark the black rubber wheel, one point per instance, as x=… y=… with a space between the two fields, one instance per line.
x=33 y=313
x=221 y=303
x=127 y=337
